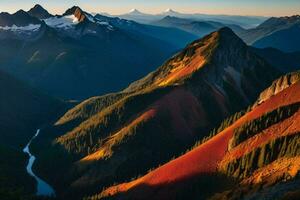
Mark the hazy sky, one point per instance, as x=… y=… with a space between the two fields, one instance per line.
x=235 y=7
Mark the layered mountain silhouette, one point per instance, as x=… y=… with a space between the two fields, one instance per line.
x=20 y=18
x=42 y=49
x=217 y=120
x=280 y=33
x=199 y=28
x=155 y=118
x=244 y=21
x=174 y=36
x=75 y=56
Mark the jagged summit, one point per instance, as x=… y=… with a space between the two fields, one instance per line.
x=281 y=21
x=20 y=12
x=228 y=37
x=19 y=18
x=223 y=39
x=72 y=10
x=217 y=54
x=39 y=12
x=77 y=12
x=37 y=7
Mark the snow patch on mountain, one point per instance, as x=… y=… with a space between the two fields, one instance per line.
x=104 y=23
x=14 y=28
x=62 y=22
x=91 y=18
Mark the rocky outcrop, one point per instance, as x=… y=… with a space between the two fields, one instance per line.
x=279 y=85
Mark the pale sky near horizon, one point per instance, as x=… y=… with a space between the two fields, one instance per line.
x=232 y=7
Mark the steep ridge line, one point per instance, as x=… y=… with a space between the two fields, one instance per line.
x=216 y=147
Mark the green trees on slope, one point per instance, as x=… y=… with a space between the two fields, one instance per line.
x=253 y=127
x=286 y=146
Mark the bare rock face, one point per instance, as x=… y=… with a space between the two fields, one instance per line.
x=77 y=12
x=279 y=85
x=39 y=12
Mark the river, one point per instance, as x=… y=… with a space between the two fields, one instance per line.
x=43 y=188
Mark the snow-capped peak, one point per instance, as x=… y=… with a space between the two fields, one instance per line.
x=62 y=22
x=135 y=11
x=169 y=10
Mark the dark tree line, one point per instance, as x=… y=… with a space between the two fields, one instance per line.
x=251 y=128
x=286 y=146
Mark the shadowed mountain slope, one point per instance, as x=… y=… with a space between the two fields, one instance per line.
x=39 y=12
x=23 y=110
x=151 y=121
x=285 y=62
x=74 y=55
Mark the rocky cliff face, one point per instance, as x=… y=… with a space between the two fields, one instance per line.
x=279 y=85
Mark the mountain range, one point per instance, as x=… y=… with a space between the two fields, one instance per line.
x=183 y=107
x=277 y=32
x=199 y=28
x=151 y=121
x=42 y=49
x=255 y=157
x=244 y=21
x=45 y=53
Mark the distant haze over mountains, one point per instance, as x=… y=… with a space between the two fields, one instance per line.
x=149 y=107
x=245 y=21
x=90 y=55
x=114 y=50
x=278 y=32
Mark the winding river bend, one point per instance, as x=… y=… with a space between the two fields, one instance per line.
x=43 y=188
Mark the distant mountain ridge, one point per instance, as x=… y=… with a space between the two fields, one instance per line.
x=276 y=32
x=50 y=49
x=20 y=18
x=39 y=12
x=244 y=21
x=135 y=11
x=199 y=28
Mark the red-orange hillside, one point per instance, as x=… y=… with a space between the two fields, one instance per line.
x=201 y=160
